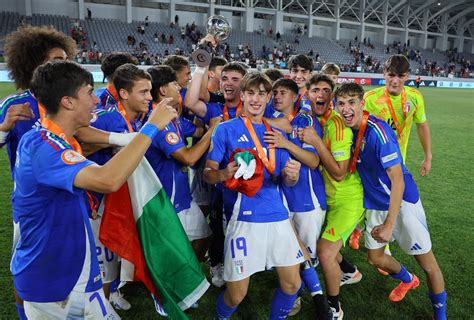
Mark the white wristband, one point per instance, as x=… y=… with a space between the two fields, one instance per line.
x=121 y=139
x=200 y=70
x=3 y=136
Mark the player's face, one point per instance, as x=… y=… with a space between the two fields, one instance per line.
x=395 y=82
x=255 y=100
x=230 y=85
x=351 y=109
x=183 y=76
x=216 y=73
x=320 y=96
x=172 y=91
x=140 y=96
x=56 y=54
x=84 y=103
x=300 y=76
x=284 y=98
x=333 y=77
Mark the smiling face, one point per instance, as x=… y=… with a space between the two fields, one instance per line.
x=138 y=98
x=171 y=90
x=300 y=76
x=255 y=100
x=395 y=82
x=230 y=85
x=84 y=103
x=350 y=107
x=320 y=96
x=284 y=99
x=183 y=76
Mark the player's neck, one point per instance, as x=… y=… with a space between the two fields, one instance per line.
x=67 y=125
x=131 y=114
x=233 y=103
x=302 y=90
x=254 y=118
x=287 y=110
x=213 y=86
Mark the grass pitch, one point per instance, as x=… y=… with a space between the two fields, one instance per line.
x=447 y=198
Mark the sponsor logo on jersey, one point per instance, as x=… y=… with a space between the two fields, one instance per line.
x=172 y=138
x=72 y=157
x=339 y=153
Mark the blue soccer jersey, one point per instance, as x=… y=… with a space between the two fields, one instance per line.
x=309 y=192
x=172 y=174
x=267 y=204
x=21 y=127
x=213 y=110
x=379 y=151
x=108 y=96
x=56 y=236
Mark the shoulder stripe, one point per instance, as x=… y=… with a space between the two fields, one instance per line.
x=56 y=140
x=9 y=99
x=378 y=130
x=339 y=128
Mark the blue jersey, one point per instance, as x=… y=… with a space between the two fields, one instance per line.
x=172 y=174
x=267 y=204
x=106 y=96
x=309 y=192
x=56 y=236
x=379 y=151
x=21 y=127
x=214 y=109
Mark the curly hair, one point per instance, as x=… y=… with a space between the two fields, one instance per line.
x=28 y=47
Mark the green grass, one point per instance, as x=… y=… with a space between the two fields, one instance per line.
x=447 y=197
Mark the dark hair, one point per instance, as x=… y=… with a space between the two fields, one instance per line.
x=274 y=74
x=28 y=47
x=255 y=79
x=350 y=89
x=331 y=68
x=126 y=75
x=317 y=78
x=286 y=83
x=301 y=60
x=56 y=79
x=160 y=76
x=216 y=62
x=114 y=60
x=176 y=62
x=398 y=64
x=235 y=66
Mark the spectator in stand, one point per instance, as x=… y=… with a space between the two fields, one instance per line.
x=146 y=21
x=171 y=39
x=176 y=20
x=89 y=14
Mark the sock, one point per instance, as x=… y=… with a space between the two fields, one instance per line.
x=403 y=275
x=311 y=280
x=114 y=285
x=223 y=311
x=439 y=305
x=21 y=311
x=334 y=302
x=346 y=267
x=282 y=303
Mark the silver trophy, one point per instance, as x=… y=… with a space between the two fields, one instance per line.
x=219 y=28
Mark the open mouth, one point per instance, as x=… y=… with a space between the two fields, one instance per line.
x=348 y=117
x=229 y=91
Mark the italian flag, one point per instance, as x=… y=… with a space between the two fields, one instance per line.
x=140 y=224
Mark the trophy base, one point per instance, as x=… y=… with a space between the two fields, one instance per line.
x=201 y=57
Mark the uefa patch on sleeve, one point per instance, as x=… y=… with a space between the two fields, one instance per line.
x=72 y=157
x=172 y=138
x=341 y=153
x=389 y=157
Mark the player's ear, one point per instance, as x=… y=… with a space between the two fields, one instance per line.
x=362 y=103
x=66 y=102
x=242 y=96
x=123 y=94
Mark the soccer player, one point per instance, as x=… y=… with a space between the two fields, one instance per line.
x=214 y=75
x=301 y=69
x=401 y=106
x=26 y=49
x=332 y=70
x=259 y=234
x=170 y=158
x=306 y=200
x=54 y=265
x=343 y=189
x=108 y=96
x=394 y=210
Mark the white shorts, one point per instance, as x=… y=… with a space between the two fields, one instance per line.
x=410 y=230
x=252 y=247
x=308 y=226
x=78 y=305
x=108 y=260
x=201 y=191
x=194 y=222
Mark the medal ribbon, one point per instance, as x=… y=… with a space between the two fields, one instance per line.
x=225 y=111
x=325 y=117
x=392 y=111
x=360 y=135
x=122 y=111
x=269 y=164
x=111 y=89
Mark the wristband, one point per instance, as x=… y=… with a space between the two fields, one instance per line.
x=150 y=130
x=200 y=70
x=3 y=136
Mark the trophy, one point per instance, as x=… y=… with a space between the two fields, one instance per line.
x=219 y=28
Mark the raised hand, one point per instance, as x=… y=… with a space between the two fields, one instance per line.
x=163 y=114
x=17 y=112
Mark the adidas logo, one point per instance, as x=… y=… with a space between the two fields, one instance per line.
x=300 y=254
x=330 y=231
x=416 y=246
x=243 y=138
x=438 y=305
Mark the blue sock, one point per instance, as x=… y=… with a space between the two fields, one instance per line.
x=114 y=285
x=311 y=280
x=223 y=311
x=403 y=275
x=282 y=304
x=21 y=311
x=439 y=305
